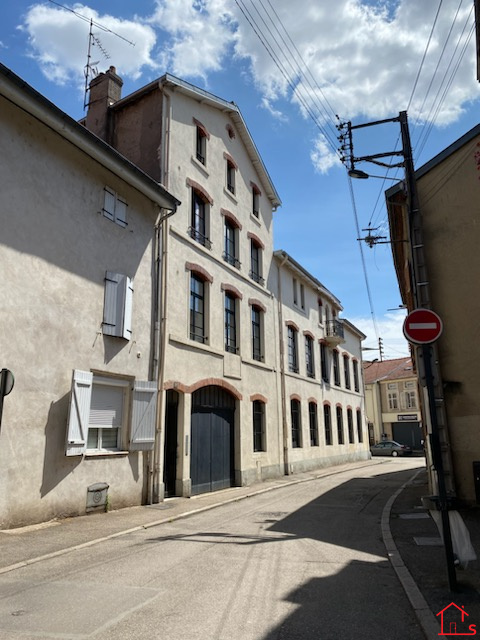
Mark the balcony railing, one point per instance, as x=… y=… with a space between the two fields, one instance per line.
x=334 y=333
x=199 y=237
x=235 y=262
x=257 y=277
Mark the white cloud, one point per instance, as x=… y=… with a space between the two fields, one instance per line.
x=390 y=330
x=351 y=57
x=322 y=156
x=59 y=41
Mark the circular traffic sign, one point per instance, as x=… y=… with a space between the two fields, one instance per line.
x=422 y=326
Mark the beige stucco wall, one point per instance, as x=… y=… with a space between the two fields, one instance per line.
x=188 y=363
x=450 y=207
x=300 y=386
x=55 y=249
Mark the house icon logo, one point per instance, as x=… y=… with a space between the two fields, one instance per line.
x=452 y=620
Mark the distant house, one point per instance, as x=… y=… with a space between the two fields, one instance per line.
x=78 y=247
x=392 y=402
x=442 y=234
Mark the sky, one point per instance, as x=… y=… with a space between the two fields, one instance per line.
x=296 y=70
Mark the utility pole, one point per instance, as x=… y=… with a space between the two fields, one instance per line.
x=426 y=354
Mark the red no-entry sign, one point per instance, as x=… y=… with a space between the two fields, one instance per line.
x=422 y=326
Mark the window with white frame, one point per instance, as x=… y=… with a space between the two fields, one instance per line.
x=410 y=399
x=117 y=306
x=392 y=398
x=108 y=414
x=115 y=207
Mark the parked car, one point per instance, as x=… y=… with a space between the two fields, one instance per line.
x=390 y=448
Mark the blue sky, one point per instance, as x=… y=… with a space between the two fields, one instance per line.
x=291 y=68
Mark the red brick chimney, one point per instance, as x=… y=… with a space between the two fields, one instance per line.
x=105 y=89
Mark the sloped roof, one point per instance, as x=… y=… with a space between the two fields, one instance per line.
x=395 y=369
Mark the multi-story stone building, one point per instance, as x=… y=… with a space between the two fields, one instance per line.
x=133 y=299
x=392 y=402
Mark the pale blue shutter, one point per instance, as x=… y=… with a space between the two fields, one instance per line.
x=79 y=411
x=109 y=204
x=127 y=309
x=121 y=212
x=144 y=416
x=117 y=310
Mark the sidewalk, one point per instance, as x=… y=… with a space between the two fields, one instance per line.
x=411 y=538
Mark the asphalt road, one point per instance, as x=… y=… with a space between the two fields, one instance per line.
x=304 y=562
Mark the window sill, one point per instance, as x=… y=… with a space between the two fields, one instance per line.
x=255 y=219
x=200 y=166
x=231 y=195
x=106 y=454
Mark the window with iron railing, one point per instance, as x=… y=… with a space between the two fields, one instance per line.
x=198 y=229
x=230 y=244
x=256 y=263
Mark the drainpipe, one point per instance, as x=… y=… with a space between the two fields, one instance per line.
x=157 y=492
x=286 y=462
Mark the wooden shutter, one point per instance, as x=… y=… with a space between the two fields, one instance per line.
x=109 y=204
x=78 y=415
x=121 y=212
x=117 y=310
x=144 y=416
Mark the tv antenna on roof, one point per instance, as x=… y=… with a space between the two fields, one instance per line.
x=90 y=67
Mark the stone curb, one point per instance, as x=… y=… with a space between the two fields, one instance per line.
x=425 y=617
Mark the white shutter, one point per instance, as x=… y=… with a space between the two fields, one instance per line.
x=117 y=310
x=127 y=310
x=109 y=204
x=121 y=212
x=79 y=410
x=144 y=416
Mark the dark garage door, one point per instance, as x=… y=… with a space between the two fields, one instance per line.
x=212 y=443
x=408 y=433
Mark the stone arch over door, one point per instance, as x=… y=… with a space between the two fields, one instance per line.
x=212 y=439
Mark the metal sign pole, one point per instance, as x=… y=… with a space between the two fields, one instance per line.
x=438 y=464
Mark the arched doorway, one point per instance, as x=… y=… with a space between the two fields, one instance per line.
x=212 y=440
